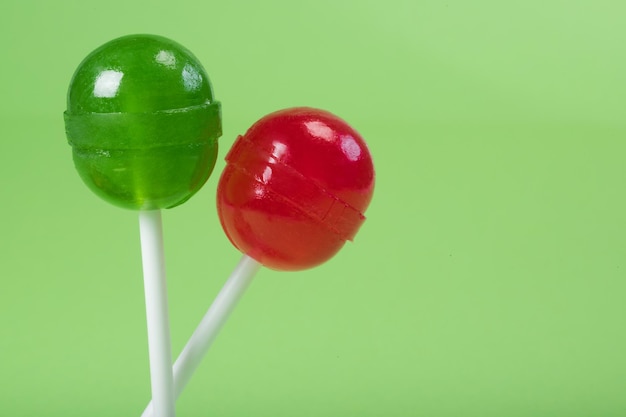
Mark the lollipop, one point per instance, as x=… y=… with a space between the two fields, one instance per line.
x=293 y=192
x=143 y=127
x=142 y=122
x=295 y=188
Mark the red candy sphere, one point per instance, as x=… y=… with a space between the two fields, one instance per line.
x=295 y=188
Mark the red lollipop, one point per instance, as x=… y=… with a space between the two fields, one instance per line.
x=295 y=188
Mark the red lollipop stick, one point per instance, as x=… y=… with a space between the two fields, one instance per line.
x=203 y=336
x=294 y=190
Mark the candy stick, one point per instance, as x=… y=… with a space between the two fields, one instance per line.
x=210 y=325
x=155 y=288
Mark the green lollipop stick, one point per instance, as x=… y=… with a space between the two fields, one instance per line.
x=143 y=126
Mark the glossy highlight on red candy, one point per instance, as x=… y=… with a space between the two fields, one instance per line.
x=295 y=188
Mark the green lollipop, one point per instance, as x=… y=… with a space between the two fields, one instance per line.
x=142 y=122
x=143 y=127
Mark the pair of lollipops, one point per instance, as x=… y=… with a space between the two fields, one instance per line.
x=143 y=126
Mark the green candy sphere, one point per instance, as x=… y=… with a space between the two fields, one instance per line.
x=142 y=122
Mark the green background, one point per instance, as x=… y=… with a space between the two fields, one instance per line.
x=487 y=281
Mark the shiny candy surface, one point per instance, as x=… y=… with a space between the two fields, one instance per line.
x=142 y=122
x=295 y=188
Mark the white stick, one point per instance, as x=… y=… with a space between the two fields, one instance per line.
x=210 y=325
x=159 y=344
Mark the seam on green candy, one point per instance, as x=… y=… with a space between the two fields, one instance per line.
x=84 y=125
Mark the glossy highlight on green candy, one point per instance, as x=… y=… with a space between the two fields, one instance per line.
x=142 y=122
